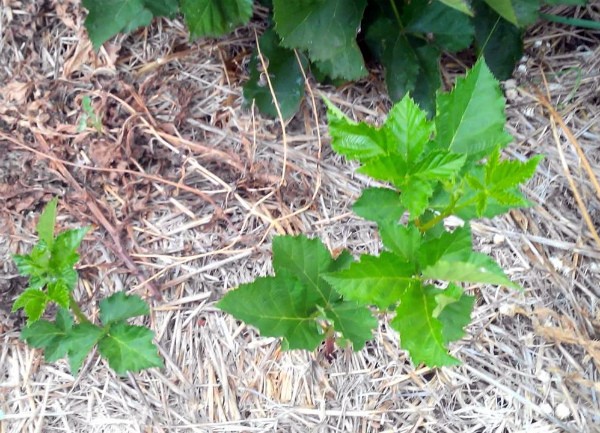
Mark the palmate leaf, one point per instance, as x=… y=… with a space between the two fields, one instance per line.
x=404 y=241
x=518 y=12
x=421 y=334
x=119 y=307
x=129 y=348
x=82 y=339
x=215 y=17
x=108 y=17
x=33 y=302
x=500 y=42
x=52 y=337
x=277 y=306
x=327 y=30
x=374 y=280
x=380 y=205
x=355 y=322
x=470 y=119
x=284 y=72
x=292 y=304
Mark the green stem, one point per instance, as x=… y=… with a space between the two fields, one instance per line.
x=577 y=22
x=397 y=14
x=81 y=317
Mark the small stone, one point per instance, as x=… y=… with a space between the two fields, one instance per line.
x=546 y=408
x=562 y=411
x=498 y=239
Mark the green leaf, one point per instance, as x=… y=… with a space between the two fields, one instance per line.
x=460 y=5
x=35 y=265
x=518 y=12
x=421 y=334
x=407 y=129
x=380 y=205
x=129 y=348
x=405 y=241
x=456 y=244
x=307 y=260
x=33 y=302
x=474 y=268
x=45 y=225
x=52 y=337
x=82 y=339
x=355 y=322
x=410 y=64
x=120 y=306
x=452 y=30
x=455 y=312
x=358 y=141
x=59 y=293
x=500 y=42
x=64 y=249
x=278 y=307
x=327 y=29
x=470 y=119
x=285 y=74
x=215 y=17
x=374 y=280
x=108 y=17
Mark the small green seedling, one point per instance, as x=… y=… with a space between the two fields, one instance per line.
x=89 y=118
x=448 y=166
x=52 y=279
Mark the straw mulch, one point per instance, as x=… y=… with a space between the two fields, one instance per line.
x=185 y=188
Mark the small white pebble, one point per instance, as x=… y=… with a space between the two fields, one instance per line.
x=543 y=376
x=522 y=69
x=537 y=44
x=562 y=411
x=546 y=408
x=498 y=239
x=507 y=310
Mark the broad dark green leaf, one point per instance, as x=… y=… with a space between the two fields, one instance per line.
x=278 y=307
x=358 y=141
x=52 y=337
x=470 y=119
x=82 y=339
x=403 y=240
x=285 y=75
x=129 y=348
x=500 y=42
x=374 y=280
x=455 y=312
x=327 y=29
x=410 y=64
x=33 y=302
x=452 y=30
x=421 y=334
x=45 y=225
x=518 y=12
x=460 y=5
x=120 y=306
x=380 y=205
x=106 y=18
x=355 y=322
x=307 y=260
x=215 y=17
x=456 y=244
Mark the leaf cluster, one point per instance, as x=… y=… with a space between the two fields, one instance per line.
x=448 y=166
x=336 y=38
x=52 y=279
